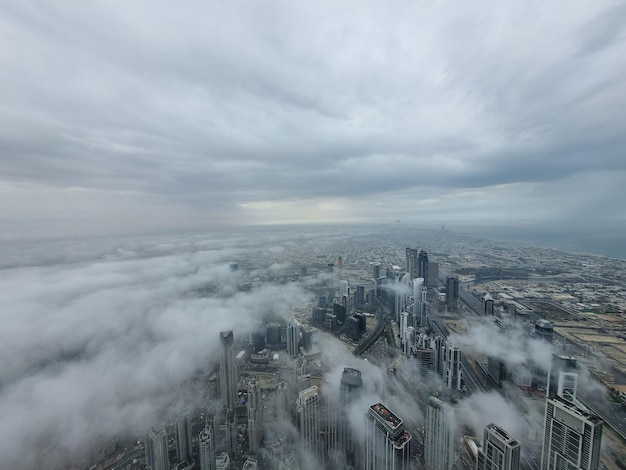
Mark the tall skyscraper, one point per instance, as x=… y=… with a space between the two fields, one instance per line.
x=293 y=337
x=452 y=366
x=439 y=435
x=386 y=440
x=254 y=421
x=157 y=457
x=206 y=443
x=350 y=389
x=488 y=305
x=228 y=370
x=452 y=293
x=433 y=274
x=231 y=431
x=422 y=266
x=411 y=262
x=183 y=437
x=309 y=420
x=572 y=437
x=499 y=450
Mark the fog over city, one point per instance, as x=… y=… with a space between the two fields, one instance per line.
x=137 y=117
x=99 y=336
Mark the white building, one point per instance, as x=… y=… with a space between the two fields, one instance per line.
x=439 y=435
x=386 y=440
x=499 y=450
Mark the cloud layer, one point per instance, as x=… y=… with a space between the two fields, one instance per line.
x=121 y=117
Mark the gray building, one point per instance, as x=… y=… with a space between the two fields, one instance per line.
x=309 y=420
x=157 y=457
x=387 y=443
x=228 y=370
x=499 y=450
x=206 y=444
x=439 y=435
x=572 y=437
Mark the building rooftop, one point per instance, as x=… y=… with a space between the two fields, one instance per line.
x=385 y=414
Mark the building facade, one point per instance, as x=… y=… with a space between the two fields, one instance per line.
x=499 y=450
x=439 y=435
x=387 y=443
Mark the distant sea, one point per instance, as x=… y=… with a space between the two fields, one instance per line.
x=605 y=241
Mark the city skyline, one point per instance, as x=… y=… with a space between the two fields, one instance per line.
x=125 y=118
x=171 y=297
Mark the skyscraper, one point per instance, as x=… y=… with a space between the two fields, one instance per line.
x=452 y=366
x=452 y=293
x=411 y=262
x=308 y=417
x=439 y=435
x=206 y=443
x=349 y=390
x=499 y=450
x=572 y=437
x=422 y=266
x=386 y=440
x=231 y=431
x=157 y=457
x=254 y=421
x=183 y=437
x=293 y=337
x=228 y=370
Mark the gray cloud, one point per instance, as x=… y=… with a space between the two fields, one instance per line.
x=207 y=110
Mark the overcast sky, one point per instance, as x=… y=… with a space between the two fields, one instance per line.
x=123 y=116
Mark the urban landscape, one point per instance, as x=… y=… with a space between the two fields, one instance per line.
x=399 y=357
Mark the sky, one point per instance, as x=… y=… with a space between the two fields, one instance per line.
x=150 y=115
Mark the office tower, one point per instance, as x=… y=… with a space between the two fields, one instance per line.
x=452 y=293
x=350 y=389
x=254 y=421
x=499 y=450
x=418 y=284
x=157 y=457
x=487 y=305
x=411 y=262
x=376 y=271
x=496 y=369
x=452 y=366
x=422 y=266
x=433 y=274
x=544 y=330
x=439 y=435
x=404 y=324
x=339 y=262
x=386 y=440
x=228 y=370
x=425 y=357
x=308 y=417
x=572 y=437
x=423 y=313
x=206 y=443
x=222 y=461
x=293 y=337
x=183 y=437
x=231 y=431
x=360 y=296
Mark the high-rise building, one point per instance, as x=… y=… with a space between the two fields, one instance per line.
x=386 y=440
x=157 y=457
x=499 y=450
x=572 y=437
x=350 y=389
x=488 y=305
x=254 y=421
x=206 y=444
x=228 y=370
x=411 y=262
x=183 y=437
x=293 y=337
x=250 y=464
x=308 y=417
x=452 y=366
x=452 y=293
x=439 y=435
x=433 y=274
x=231 y=431
x=422 y=266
